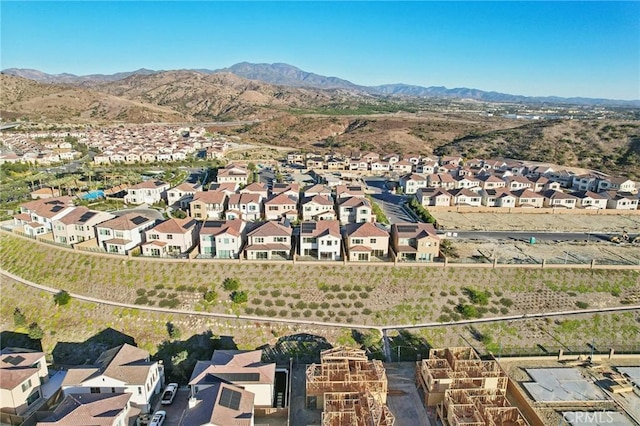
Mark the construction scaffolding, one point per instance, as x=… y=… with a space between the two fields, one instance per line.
x=478 y=407
x=351 y=389
x=456 y=368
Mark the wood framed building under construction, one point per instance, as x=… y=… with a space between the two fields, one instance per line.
x=351 y=389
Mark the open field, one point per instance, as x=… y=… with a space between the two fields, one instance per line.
x=538 y=222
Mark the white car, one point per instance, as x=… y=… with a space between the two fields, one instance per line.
x=158 y=418
x=169 y=393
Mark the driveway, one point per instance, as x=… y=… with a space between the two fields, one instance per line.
x=393 y=207
x=176 y=410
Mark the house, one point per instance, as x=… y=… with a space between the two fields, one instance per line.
x=514 y=183
x=314 y=163
x=539 y=184
x=465 y=197
x=391 y=159
x=207 y=205
x=585 y=182
x=402 y=167
x=260 y=189
x=370 y=157
x=241 y=368
x=318 y=207
x=441 y=180
x=410 y=183
x=435 y=197
x=22 y=372
x=346 y=191
x=281 y=206
x=590 y=200
x=526 y=198
x=504 y=198
x=269 y=241
x=121 y=234
x=295 y=158
x=563 y=177
x=415 y=242
x=620 y=184
x=455 y=160
x=228 y=188
x=466 y=181
x=426 y=167
x=380 y=166
x=104 y=409
x=354 y=210
x=559 y=199
x=181 y=195
x=317 y=189
x=221 y=239
x=147 y=192
x=321 y=240
x=220 y=404
x=621 y=200
x=78 y=225
x=365 y=241
x=123 y=369
x=45 y=192
x=234 y=174
x=491 y=182
x=173 y=237
x=244 y=206
x=38 y=215
x=290 y=189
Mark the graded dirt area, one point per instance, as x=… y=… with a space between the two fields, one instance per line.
x=538 y=222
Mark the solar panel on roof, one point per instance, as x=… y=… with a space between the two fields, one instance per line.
x=230 y=398
x=56 y=208
x=239 y=377
x=407 y=228
x=86 y=216
x=14 y=360
x=308 y=227
x=138 y=220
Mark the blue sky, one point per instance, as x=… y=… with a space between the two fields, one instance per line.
x=589 y=49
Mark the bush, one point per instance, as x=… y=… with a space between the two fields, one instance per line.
x=467 y=311
x=240 y=297
x=358 y=305
x=159 y=286
x=295 y=314
x=275 y=293
x=169 y=303
x=506 y=302
x=142 y=300
x=280 y=302
x=366 y=311
x=582 y=305
x=19 y=320
x=249 y=310
x=313 y=305
x=319 y=313
x=307 y=313
x=231 y=284
x=35 y=332
x=141 y=292
x=476 y=296
x=324 y=305
x=62 y=298
x=364 y=295
x=268 y=303
x=341 y=296
x=152 y=293
x=283 y=313
x=210 y=296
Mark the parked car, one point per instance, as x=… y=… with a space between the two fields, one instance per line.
x=158 y=418
x=169 y=393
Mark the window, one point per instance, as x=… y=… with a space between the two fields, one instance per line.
x=226 y=241
x=169 y=236
x=105 y=232
x=33 y=397
x=154 y=236
x=95 y=390
x=119 y=234
x=329 y=242
x=258 y=240
x=363 y=256
x=356 y=241
x=308 y=240
x=372 y=240
x=113 y=390
x=139 y=390
x=280 y=239
x=273 y=208
x=26 y=385
x=261 y=255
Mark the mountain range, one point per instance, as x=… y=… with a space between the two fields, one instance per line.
x=289 y=75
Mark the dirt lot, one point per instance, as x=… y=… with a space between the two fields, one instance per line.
x=538 y=222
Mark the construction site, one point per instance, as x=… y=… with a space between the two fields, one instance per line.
x=465 y=389
x=351 y=389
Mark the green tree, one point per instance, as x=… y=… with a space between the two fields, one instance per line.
x=19 y=320
x=62 y=298
x=210 y=296
x=231 y=284
x=35 y=332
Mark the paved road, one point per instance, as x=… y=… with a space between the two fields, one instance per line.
x=526 y=235
x=393 y=207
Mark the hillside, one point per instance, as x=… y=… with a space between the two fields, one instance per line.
x=23 y=98
x=610 y=146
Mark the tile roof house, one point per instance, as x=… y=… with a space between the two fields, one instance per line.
x=465 y=197
x=433 y=197
x=410 y=183
x=37 y=216
x=346 y=191
x=95 y=409
x=244 y=206
x=559 y=199
x=240 y=368
x=123 y=369
x=221 y=404
x=441 y=180
x=365 y=242
x=21 y=374
x=45 y=192
x=260 y=189
x=321 y=240
x=620 y=184
x=207 y=205
x=121 y=234
x=317 y=189
x=173 y=237
x=221 y=239
x=355 y=210
x=149 y=192
x=590 y=200
x=182 y=194
x=233 y=173
x=491 y=182
x=621 y=200
x=269 y=241
x=290 y=189
x=318 y=207
x=526 y=198
x=78 y=225
x=281 y=206
x=228 y=188
x=415 y=242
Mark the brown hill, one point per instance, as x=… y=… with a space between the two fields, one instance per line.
x=22 y=98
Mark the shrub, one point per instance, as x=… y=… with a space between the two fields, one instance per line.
x=142 y=300
x=295 y=314
x=210 y=296
x=324 y=305
x=272 y=313
x=248 y=310
x=467 y=311
x=230 y=284
x=358 y=305
x=319 y=313
x=141 y=292
x=313 y=305
x=307 y=313
x=162 y=294
x=263 y=292
x=62 y=298
x=181 y=287
x=476 y=296
x=275 y=293
x=504 y=311
x=268 y=303
x=256 y=301
x=506 y=302
x=159 y=286
x=19 y=320
x=347 y=287
x=353 y=296
x=364 y=295
x=280 y=302
x=582 y=305
x=366 y=311
x=152 y=293
x=169 y=303
x=296 y=295
x=341 y=296
x=260 y=312
x=35 y=332
x=239 y=297
x=357 y=288
x=283 y=312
